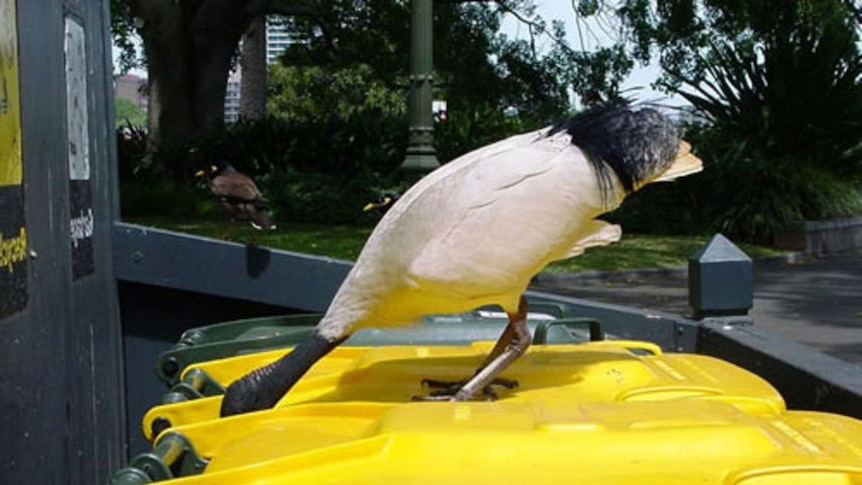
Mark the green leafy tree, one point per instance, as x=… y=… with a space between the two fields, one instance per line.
x=473 y=63
x=189 y=46
x=786 y=73
x=344 y=112
x=300 y=93
x=776 y=87
x=188 y=50
x=493 y=85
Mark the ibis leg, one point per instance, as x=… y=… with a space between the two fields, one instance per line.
x=512 y=344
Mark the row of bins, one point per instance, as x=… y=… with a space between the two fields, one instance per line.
x=588 y=409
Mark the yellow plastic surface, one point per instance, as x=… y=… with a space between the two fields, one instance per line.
x=609 y=371
x=657 y=442
x=598 y=413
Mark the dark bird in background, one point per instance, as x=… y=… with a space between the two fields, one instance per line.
x=382 y=203
x=238 y=194
x=475 y=231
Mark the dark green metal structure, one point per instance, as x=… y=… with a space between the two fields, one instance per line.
x=421 y=155
x=62 y=410
x=88 y=303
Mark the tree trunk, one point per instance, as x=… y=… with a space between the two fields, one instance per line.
x=253 y=64
x=189 y=52
x=163 y=37
x=189 y=45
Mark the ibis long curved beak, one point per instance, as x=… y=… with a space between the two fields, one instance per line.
x=684 y=164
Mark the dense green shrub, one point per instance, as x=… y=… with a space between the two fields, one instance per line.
x=127 y=113
x=164 y=199
x=778 y=89
x=751 y=193
x=131 y=152
x=307 y=196
x=471 y=127
x=319 y=161
x=742 y=192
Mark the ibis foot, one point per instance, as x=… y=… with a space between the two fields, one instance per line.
x=453 y=390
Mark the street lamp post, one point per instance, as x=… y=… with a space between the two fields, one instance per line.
x=421 y=156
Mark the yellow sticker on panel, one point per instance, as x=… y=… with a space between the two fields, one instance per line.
x=10 y=112
x=14 y=245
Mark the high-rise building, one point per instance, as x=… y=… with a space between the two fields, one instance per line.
x=278 y=38
x=231 y=97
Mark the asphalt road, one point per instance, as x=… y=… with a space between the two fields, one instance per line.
x=815 y=301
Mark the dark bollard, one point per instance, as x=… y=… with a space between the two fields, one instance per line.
x=720 y=280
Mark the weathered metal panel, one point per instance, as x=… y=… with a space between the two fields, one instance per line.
x=61 y=407
x=807 y=379
x=13 y=233
x=94 y=337
x=32 y=342
x=190 y=263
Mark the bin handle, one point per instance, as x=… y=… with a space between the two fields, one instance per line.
x=172 y=453
x=540 y=336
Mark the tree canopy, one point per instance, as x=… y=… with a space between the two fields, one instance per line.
x=776 y=88
x=189 y=46
x=474 y=64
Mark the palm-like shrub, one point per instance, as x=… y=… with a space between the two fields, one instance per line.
x=776 y=88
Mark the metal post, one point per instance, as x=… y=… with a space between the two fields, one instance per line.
x=720 y=280
x=421 y=156
x=62 y=406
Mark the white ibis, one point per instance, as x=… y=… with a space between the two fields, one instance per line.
x=476 y=230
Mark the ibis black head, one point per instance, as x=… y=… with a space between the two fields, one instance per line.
x=637 y=145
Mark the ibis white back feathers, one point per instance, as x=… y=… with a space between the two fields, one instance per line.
x=475 y=231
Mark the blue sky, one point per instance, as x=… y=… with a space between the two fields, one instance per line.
x=594 y=35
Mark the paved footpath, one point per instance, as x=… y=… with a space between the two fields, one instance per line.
x=816 y=302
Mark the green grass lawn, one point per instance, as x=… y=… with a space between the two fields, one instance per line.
x=634 y=251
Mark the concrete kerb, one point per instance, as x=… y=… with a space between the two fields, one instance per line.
x=550 y=278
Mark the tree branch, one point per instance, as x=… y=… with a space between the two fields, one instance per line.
x=532 y=24
x=857 y=14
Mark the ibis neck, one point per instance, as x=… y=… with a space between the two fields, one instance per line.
x=264 y=387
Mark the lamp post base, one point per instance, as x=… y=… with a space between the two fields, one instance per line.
x=419 y=162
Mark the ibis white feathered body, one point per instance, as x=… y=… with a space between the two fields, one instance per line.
x=474 y=232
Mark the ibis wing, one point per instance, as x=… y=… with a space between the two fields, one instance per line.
x=474 y=232
x=501 y=220
x=598 y=233
x=455 y=169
